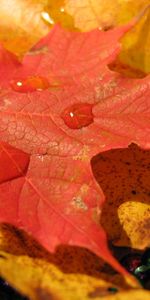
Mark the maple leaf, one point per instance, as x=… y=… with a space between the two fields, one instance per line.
x=62 y=106
x=90 y=14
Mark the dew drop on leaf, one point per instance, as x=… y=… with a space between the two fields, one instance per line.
x=30 y=84
x=55 y=12
x=46 y=16
x=78 y=115
x=62 y=9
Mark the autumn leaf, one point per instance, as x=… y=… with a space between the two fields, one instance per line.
x=21 y=24
x=24 y=22
x=62 y=106
x=124 y=177
x=107 y=14
x=90 y=14
x=70 y=273
x=136 y=45
x=138 y=226
x=8 y=157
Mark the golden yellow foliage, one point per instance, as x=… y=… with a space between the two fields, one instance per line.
x=21 y=25
x=136 y=45
x=71 y=273
x=24 y=22
x=90 y=14
x=54 y=12
x=134 y=217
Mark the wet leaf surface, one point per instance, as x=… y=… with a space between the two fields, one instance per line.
x=62 y=135
x=75 y=71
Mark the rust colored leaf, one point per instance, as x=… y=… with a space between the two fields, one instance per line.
x=124 y=176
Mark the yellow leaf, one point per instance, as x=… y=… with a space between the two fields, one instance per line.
x=24 y=22
x=90 y=14
x=54 y=12
x=21 y=25
x=136 y=45
x=135 y=220
x=124 y=177
x=71 y=273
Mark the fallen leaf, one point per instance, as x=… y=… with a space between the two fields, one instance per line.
x=71 y=273
x=86 y=109
x=124 y=177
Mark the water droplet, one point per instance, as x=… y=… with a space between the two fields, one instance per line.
x=45 y=15
x=56 y=12
x=78 y=115
x=30 y=84
x=62 y=9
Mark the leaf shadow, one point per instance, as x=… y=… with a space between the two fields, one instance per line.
x=124 y=176
x=69 y=259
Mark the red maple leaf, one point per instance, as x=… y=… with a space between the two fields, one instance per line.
x=58 y=109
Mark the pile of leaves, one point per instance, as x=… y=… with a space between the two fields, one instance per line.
x=74 y=149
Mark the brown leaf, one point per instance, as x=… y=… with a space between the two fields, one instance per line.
x=124 y=176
